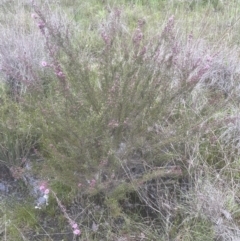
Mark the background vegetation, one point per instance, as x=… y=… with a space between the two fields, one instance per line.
x=125 y=114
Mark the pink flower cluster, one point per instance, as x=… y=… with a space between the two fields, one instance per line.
x=75 y=228
x=58 y=71
x=73 y=224
x=43 y=188
x=40 y=23
x=43 y=199
x=57 y=67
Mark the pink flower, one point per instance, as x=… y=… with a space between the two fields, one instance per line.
x=60 y=74
x=77 y=232
x=33 y=15
x=209 y=59
x=46 y=191
x=206 y=67
x=41 y=25
x=42 y=188
x=44 y=64
x=74 y=226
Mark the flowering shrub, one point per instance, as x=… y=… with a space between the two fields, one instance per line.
x=43 y=200
x=152 y=94
x=76 y=230
x=134 y=120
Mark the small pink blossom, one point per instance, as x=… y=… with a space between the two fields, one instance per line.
x=44 y=64
x=77 y=232
x=209 y=59
x=33 y=15
x=60 y=74
x=207 y=66
x=74 y=226
x=46 y=191
x=42 y=188
x=41 y=25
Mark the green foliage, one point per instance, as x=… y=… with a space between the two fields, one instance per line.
x=198 y=229
x=25 y=216
x=17 y=135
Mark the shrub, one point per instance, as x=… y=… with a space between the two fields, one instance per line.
x=134 y=121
